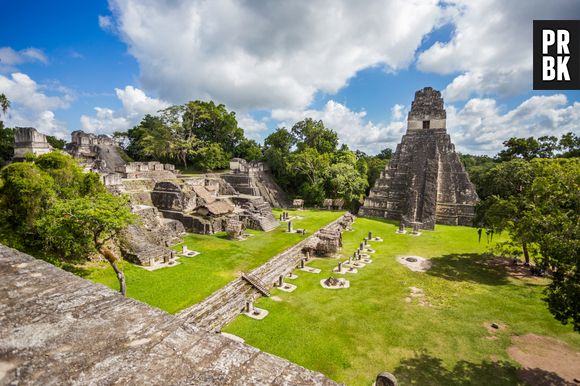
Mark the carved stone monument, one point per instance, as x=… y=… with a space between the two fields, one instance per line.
x=425 y=182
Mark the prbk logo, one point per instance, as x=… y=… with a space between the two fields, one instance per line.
x=556 y=54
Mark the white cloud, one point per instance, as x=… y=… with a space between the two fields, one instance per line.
x=351 y=126
x=397 y=112
x=9 y=57
x=252 y=128
x=480 y=126
x=32 y=106
x=106 y=23
x=136 y=104
x=491 y=46
x=262 y=55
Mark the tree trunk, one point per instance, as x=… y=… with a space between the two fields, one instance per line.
x=526 y=253
x=112 y=259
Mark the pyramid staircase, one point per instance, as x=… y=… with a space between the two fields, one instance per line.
x=256 y=283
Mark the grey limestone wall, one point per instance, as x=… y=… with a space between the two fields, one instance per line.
x=59 y=329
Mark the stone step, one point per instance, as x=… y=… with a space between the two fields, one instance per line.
x=257 y=283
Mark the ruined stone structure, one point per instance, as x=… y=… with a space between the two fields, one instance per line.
x=226 y=304
x=254 y=178
x=59 y=329
x=146 y=243
x=425 y=182
x=235 y=230
x=29 y=140
x=151 y=169
x=203 y=204
x=99 y=153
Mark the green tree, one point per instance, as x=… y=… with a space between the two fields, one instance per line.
x=25 y=193
x=538 y=204
x=6 y=143
x=555 y=226
x=386 y=153
x=211 y=157
x=280 y=139
x=56 y=143
x=213 y=123
x=249 y=150
x=375 y=167
x=4 y=103
x=309 y=133
x=344 y=181
x=570 y=145
x=84 y=225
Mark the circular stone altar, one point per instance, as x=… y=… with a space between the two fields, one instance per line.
x=415 y=263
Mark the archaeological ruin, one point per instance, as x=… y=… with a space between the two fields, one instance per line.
x=27 y=140
x=253 y=178
x=57 y=328
x=425 y=182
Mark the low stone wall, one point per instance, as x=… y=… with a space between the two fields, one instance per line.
x=59 y=329
x=224 y=305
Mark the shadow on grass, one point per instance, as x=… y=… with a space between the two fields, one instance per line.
x=76 y=269
x=472 y=267
x=427 y=370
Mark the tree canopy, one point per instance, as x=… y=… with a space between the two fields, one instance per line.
x=538 y=204
x=307 y=162
x=51 y=206
x=199 y=134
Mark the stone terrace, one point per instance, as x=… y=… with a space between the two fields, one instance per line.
x=56 y=328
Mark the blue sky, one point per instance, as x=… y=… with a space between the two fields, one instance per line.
x=100 y=66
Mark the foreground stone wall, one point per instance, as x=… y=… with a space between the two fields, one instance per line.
x=59 y=329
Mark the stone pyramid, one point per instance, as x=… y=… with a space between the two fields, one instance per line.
x=425 y=182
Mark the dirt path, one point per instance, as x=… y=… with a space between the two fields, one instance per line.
x=545 y=361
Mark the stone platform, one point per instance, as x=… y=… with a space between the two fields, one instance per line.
x=59 y=329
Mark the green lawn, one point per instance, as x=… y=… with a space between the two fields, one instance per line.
x=175 y=288
x=353 y=334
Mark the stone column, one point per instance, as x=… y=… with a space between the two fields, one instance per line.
x=370 y=235
x=280 y=280
x=249 y=307
x=289 y=226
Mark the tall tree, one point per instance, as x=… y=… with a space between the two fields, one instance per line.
x=213 y=124
x=84 y=225
x=538 y=204
x=309 y=133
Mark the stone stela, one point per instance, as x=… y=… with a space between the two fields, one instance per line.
x=425 y=182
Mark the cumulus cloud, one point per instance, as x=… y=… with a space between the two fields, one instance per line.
x=253 y=128
x=491 y=47
x=352 y=127
x=136 y=104
x=263 y=55
x=481 y=126
x=31 y=105
x=10 y=57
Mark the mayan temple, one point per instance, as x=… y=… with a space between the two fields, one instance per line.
x=425 y=182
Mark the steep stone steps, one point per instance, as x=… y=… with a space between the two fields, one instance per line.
x=224 y=305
